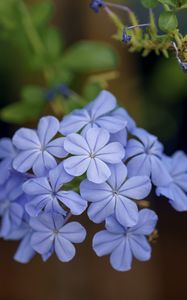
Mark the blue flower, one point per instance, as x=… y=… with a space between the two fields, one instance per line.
x=37 y=151
x=47 y=195
x=175 y=190
x=7 y=154
x=122 y=243
x=96 y=5
x=92 y=154
x=143 y=154
x=11 y=208
x=99 y=113
x=126 y=38
x=51 y=234
x=115 y=196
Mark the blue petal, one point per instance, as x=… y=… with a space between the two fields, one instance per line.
x=73 y=201
x=121 y=257
x=159 y=173
x=139 y=165
x=56 y=148
x=47 y=129
x=118 y=176
x=76 y=144
x=58 y=176
x=120 y=137
x=112 y=153
x=123 y=114
x=37 y=186
x=137 y=187
x=26 y=139
x=113 y=226
x=140 y=247
x=44 y=163
x=76 y=165
x=98 y=171
x=42 y=242
x=146 y=222
x=94 y=192
x=64 y=249
x=37 y=204
x=99 y=211
x=74 y=232
x=24 y=252
x=126 y=211
x=74 y=122
x=105 y=242
x=25 y=160
x=103 y=104
x=96 y=139
x=177 y=198
x=110 y=123
x=7 y=149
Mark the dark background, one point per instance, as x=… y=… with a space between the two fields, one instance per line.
x=154 y=90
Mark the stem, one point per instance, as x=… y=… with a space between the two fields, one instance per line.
x=31 y=32
x=121 y=7
x=69 y=215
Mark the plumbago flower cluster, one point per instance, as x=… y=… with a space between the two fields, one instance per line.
x=95 y=159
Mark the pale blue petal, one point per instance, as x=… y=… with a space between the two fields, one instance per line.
x=105 y=242
x=35 y=206
x=37 y=186
x=43 y=223
x=139 y=165
x=56 y=148
x=112 y=153
x=140 y=247
x=146 y=222
x=120 y=137
x=26 y=139
x=24 y=252
x=58 y=176
x=96 y=138
x=181 y=181
x=7 y=149
x=134 y=148
x=98 y=171
x=94 y=192
x=42 y=242
x=121 y=257
x=47 y=129
x=74 y=122
x=137 y=187
x=76 y=165
x=123 y=114
x=99 y=211
x=64 y=249
x=44 y=163
x=73 y=201
x=159 y=173
x=76 y=144
x=126 y=211
x=118 y=175
x=25 y=160
x=103 y=104
x=113 y=226
x=110 y=123
x=74 y=232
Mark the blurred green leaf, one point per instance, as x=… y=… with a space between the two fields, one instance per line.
x=149 y=3
x=89 y=56
x=167 y=21
x=41 y=13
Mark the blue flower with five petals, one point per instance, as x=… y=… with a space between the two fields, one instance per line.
x=51 y=234
x=116 y=196
x=122 y=243
x=37 y=149
x=92 y=154
x=47 y=195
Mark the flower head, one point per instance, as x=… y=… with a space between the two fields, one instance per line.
x=99 y=113
x=92 y=154
x=116 y=196
x=175 y=190
x=96 y=5
x=47 y=195
x=143 y=155
x=51 y=234
x=37 y=149
x=122 y=243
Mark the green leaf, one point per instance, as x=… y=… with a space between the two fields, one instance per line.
x=29 y=108
x=168 y=21
x=88 y=56
x=41 y=13
x=149 y=3
x=53 y=42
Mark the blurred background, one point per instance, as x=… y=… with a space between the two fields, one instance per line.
x=152 y=89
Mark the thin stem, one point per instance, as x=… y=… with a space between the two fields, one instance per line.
x=69 y=215
x=118 y=6
x=138 y=26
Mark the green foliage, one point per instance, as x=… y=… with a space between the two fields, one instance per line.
x=168 y=21
x=27 y=28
